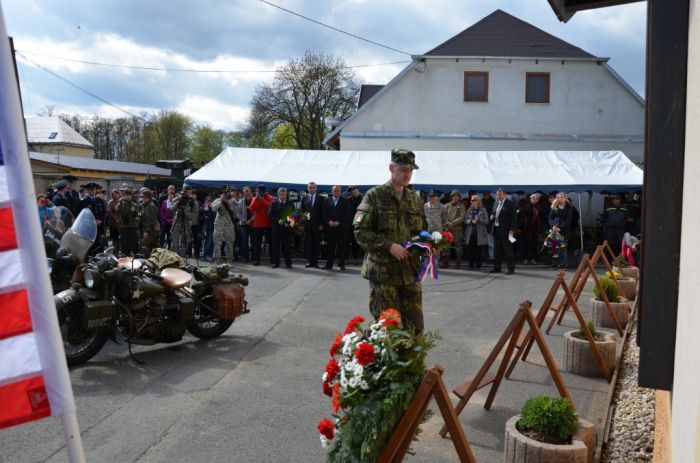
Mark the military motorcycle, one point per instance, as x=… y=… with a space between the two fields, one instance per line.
x=136 y=301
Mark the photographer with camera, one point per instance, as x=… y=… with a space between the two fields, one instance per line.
x=224 y=225
x=181 y=232
x=262 y=226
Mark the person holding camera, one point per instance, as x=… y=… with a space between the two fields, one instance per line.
x=262 y=226
x=181 y=231
x=224 y=225
x=45 y=206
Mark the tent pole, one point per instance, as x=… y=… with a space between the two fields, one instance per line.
x=580 y=219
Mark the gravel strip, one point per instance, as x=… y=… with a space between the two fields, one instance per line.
x=632 y=427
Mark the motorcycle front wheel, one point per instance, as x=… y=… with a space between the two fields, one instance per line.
x=79 y=345
x=206 y=325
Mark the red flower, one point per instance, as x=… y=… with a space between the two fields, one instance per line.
x=391 y=314
x=327 y=389
x=364 y=353
x=449 y=237
x=336 y=398
x=353 y=324
x=388 y=323
x=326 y=428
x=336 y=344
x=332 y=369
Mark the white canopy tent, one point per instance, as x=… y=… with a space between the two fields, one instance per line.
x=441 y=170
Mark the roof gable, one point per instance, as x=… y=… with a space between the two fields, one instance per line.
x=367 y=91
x=502 y=34
x=53 y=130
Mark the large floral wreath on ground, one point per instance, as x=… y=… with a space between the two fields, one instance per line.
x=371 y=378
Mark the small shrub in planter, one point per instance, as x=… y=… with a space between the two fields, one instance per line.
x=548 y=430
x=627 y=285
x=599 y=312
x=627 y=270
x=579 y=357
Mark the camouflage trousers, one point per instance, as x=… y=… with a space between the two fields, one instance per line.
x=150 y=243
x=459 y=238
x=407 y=299
x=180 y=239
x=224 y=234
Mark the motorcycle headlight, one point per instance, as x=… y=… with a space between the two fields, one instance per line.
x=90 y=279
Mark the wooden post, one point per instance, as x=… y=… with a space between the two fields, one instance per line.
x=431 y=387
x=512 y=333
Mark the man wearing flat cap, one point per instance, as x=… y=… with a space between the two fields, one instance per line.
x=73 y=197
x=456 y=215
x=389 y=215
x=59 y=196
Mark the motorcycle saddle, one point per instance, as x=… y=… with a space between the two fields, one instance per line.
x=175 y=278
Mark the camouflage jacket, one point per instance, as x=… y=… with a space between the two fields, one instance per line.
x=436 y=216
x=383 y=218
x=128 y=213
x=455 y=214
x=149 y=218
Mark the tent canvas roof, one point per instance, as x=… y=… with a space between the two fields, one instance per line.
x=441 y=170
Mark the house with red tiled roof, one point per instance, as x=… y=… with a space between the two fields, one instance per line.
x=501 y=84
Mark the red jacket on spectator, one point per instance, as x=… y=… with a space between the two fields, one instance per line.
x=259 y=208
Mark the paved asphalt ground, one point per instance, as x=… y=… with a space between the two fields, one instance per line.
x=254 y=394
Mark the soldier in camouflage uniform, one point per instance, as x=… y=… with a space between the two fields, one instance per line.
x=456 y=215
x=435 y=213
x=224 y=225
x=389 y=215
x=150 y=226
x=181 y=230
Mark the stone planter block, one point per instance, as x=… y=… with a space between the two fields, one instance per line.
x=629 y=272
x=580 y=359
x=601 y=317
x=629 y=288
x=522 y=449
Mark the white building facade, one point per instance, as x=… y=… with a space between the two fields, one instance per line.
x=459 y=102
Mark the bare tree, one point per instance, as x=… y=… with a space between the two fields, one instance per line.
x=303 y=94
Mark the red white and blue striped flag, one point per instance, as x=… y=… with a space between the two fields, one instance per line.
x=34 y=380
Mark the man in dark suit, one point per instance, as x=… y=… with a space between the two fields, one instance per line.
x=504 y=218
x=313 y=204
x=335 y=223
x=281 y=231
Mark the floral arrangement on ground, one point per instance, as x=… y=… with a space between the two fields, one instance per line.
x=371 y=378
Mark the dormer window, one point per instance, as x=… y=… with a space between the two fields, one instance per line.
x=476 y=86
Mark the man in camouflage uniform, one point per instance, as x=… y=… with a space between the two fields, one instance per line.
x=389 y=215
x=150 y=226
x=224 y=225
x=181 y=231
x=456 y=214
x=435 y=213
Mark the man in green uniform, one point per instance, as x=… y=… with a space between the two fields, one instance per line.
x=150 y=226
x=456 y=214
x=389 y=215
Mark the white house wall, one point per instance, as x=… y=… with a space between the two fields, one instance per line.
x=426 y=107
x=685 y=410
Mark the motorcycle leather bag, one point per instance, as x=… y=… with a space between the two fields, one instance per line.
x=229 y=300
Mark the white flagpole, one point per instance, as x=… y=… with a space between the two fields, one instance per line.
x=43 y=311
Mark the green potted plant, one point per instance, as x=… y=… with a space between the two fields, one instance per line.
x=599 y=312
x=627 y=270
x=578 y=353
x=548 y=430
x=627 y=285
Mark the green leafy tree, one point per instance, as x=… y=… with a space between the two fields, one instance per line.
x=206 y=144
x=303 y=93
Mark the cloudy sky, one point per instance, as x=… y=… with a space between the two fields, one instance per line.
x=248 y=35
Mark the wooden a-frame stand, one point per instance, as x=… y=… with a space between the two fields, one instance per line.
x=526 y=340
x=511 y=335
x=431 y=387
x=585 y=269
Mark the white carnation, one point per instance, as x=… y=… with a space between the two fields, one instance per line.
x=436 y=237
